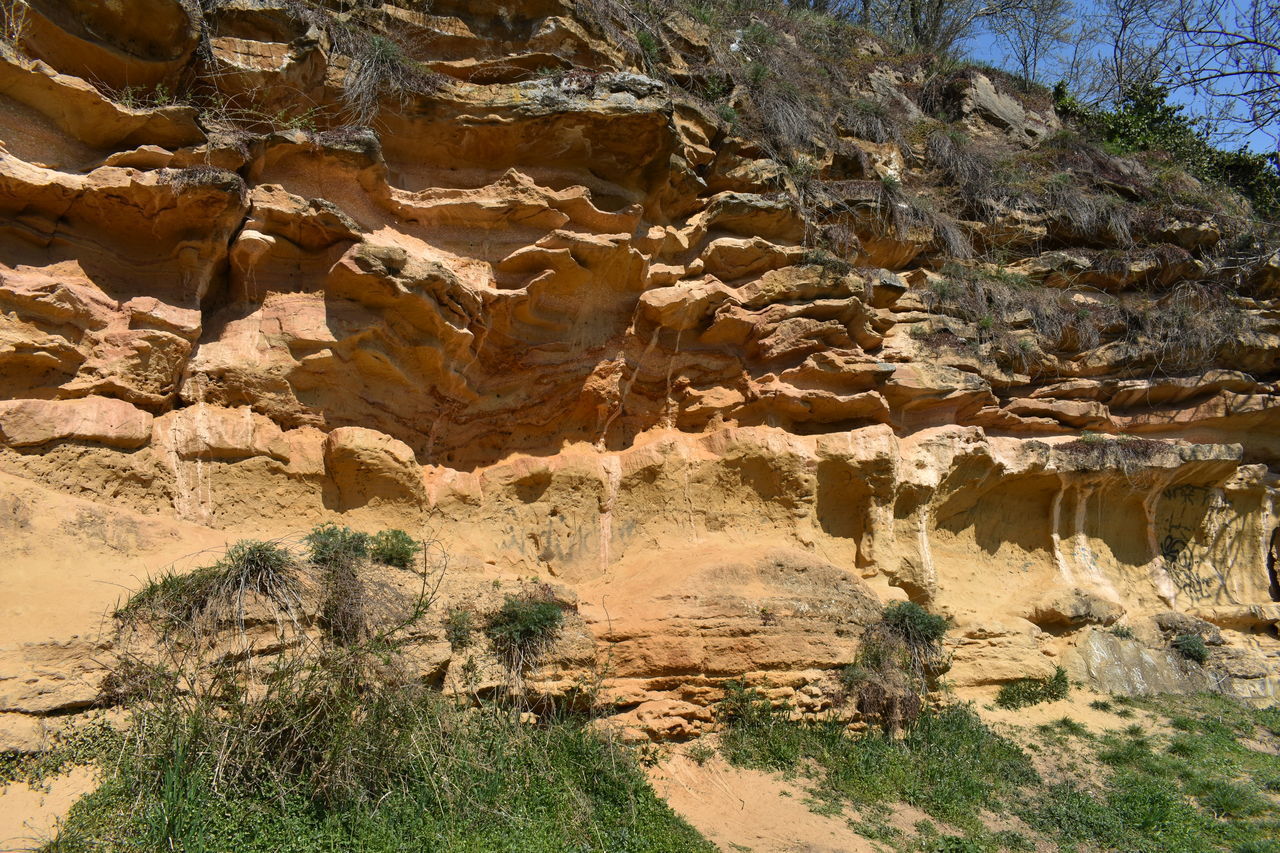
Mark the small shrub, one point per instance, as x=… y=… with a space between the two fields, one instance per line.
x=1032 y=691
x=523 y=628
x=459 y=624
x=1122 y=631
x=1132 y=750
x=331 y=544
x=1100 y=705
x=700 y=752
x=914 y=624
x=898 y=658
x=728 y=115
x=830 y=263
x=1144 y=120
x=205 y=177
x=1191 y=647
x=339 y=552
x=394 y=548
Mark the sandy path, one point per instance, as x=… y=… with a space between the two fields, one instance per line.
x=749 y=809
x=28 y=815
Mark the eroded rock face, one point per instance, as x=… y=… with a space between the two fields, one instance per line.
x=572 y=324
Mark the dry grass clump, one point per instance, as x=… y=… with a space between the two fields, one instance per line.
x=213 y=596
x=13 y=21
x=365 y=43
x=871 y=121
x=1014 y=316
x=184 y=180
x=1191 y=326
x=902 y=213
x=1095 y=452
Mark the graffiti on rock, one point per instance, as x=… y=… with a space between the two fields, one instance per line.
x=1194 y=529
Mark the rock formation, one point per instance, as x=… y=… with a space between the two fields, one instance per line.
x=483 y=273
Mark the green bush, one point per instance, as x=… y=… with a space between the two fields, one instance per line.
x=914 y=624
x=1144 y=120
x=523 y=627
x=330 y=544
x=1191 y=647
x=394 y=547
x=339 y=553
x=1032 y=691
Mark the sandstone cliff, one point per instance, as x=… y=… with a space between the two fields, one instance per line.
x=579 y=291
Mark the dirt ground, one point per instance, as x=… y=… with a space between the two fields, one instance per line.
x=29 y=815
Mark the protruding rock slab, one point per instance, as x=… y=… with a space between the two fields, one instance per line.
x=93 y=420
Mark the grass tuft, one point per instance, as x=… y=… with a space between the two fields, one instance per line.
x=1191 y=647
x=1032 y=691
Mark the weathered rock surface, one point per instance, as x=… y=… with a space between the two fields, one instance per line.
x=571 y=324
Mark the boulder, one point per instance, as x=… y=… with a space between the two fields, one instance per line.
x=1073 y=608
x=368 y=466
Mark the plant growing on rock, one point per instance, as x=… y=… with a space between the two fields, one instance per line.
x=303 y=745
x=898 y=658
x=459 y=625
x=524 y=627
x=393 y=547
x=1032 y=691
x=1192 y=647
x=249 y=571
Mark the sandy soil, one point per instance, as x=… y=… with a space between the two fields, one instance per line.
x=748 y=809
x=28 y=815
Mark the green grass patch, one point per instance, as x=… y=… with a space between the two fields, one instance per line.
x=331 y=740
x=1200 y=788
x=948 y=764
x=441 y=778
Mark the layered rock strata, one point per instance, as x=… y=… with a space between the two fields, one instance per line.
x=573 y=324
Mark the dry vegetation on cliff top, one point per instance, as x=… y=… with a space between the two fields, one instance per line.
x=809 y=92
